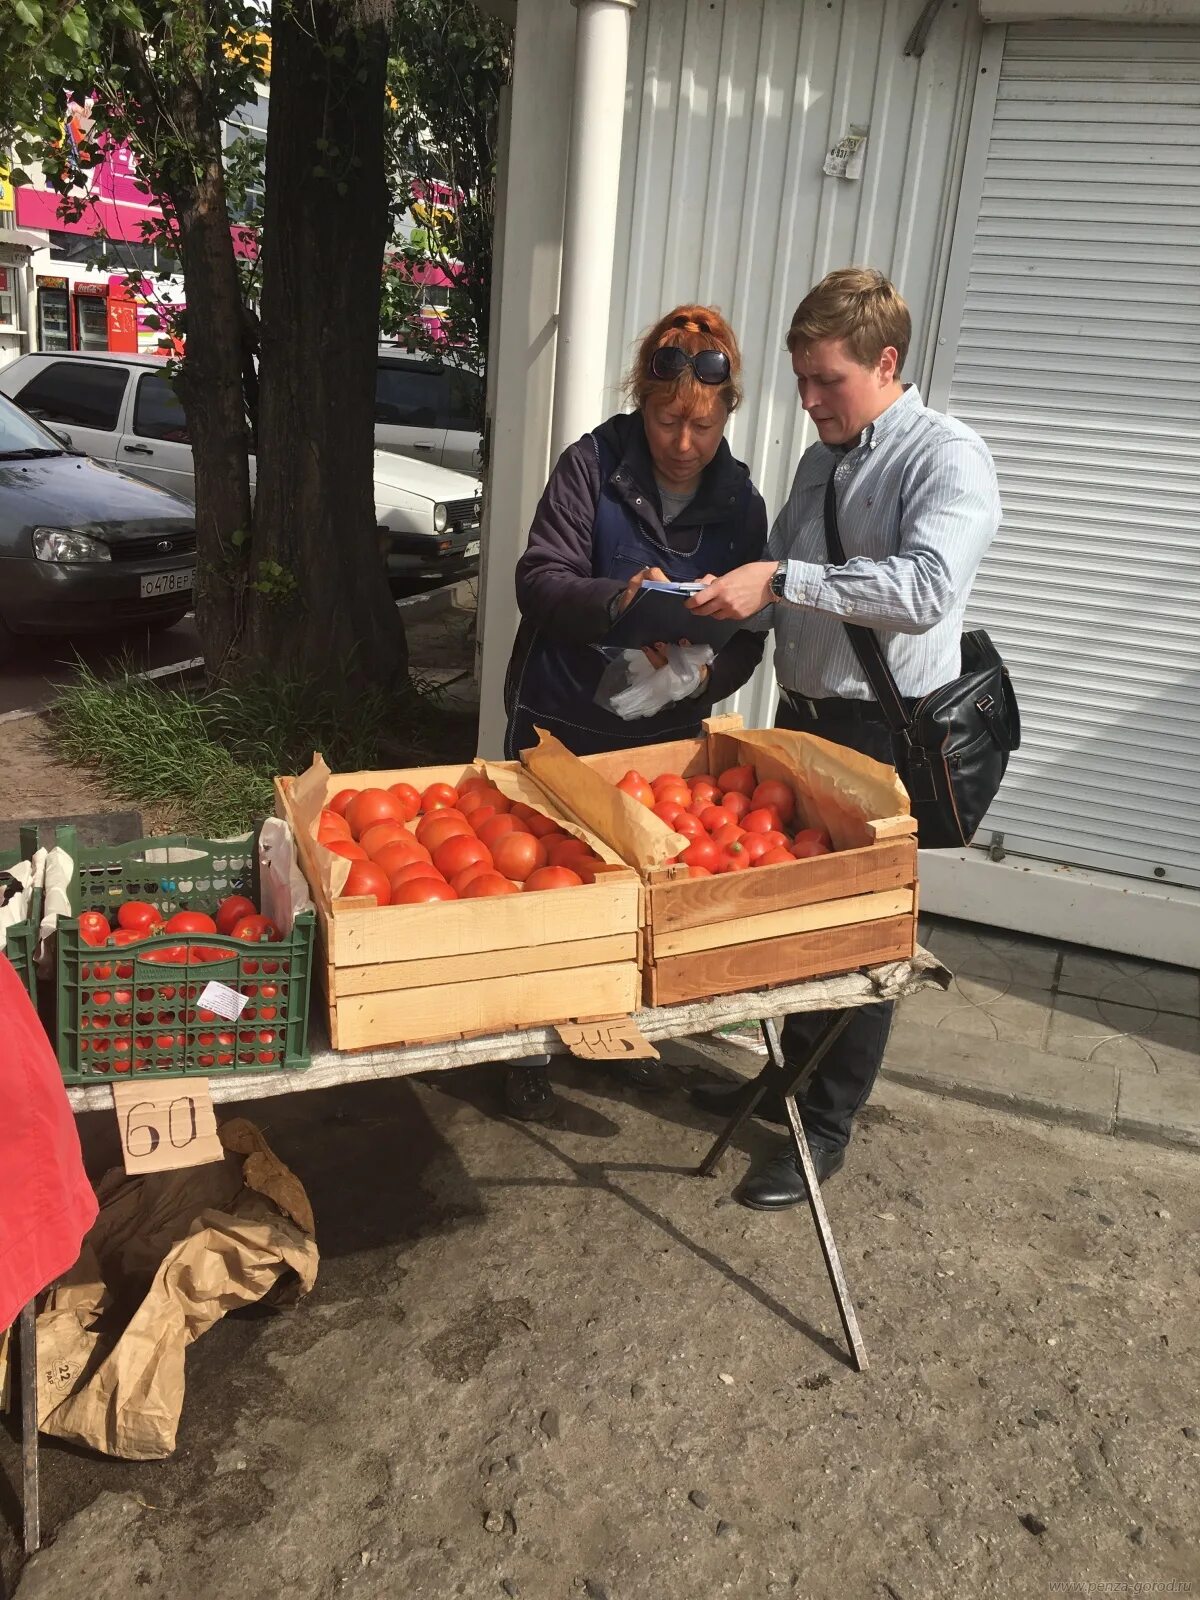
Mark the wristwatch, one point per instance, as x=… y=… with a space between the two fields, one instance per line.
x=778 y=579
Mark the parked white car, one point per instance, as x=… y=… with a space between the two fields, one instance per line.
x=123 y=410
x=428 y=408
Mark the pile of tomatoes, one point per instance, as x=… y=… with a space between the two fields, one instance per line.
x=449 y=843
x=237 y=918
x=733 y=821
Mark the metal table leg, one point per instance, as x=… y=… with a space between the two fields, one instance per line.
x=27 y=1341
x=786 y=1081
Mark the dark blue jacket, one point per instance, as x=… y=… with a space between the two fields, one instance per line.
x=598 y=522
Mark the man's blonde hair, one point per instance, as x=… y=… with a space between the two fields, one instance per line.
x=860 y=306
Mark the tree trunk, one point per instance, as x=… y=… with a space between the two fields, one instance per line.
x=321 y=605
x=210 y=378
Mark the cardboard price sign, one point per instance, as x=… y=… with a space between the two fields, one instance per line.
x=166 y=1124
x=615 y=1040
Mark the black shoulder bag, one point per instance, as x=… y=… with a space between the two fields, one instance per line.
x=952 y=748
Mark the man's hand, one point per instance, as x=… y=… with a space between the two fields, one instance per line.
x=636 y=582
x=738 y=595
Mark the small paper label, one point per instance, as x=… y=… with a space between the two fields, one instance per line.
x=847 y=156
x=617 y=1040
x=165 y=1124
x=222 y=1001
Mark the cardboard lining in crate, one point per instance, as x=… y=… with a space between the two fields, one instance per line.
x=397 y=975
x=780 y=924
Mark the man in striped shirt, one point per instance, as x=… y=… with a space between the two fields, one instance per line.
x=918 y=506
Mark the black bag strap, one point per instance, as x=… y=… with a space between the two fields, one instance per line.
x=865 y=641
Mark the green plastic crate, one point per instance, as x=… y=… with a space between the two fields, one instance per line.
x=121 y=1009
x=20 y=942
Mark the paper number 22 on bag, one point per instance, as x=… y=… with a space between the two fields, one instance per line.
x=166 y=1125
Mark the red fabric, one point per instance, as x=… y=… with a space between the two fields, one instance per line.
x=46 y=1201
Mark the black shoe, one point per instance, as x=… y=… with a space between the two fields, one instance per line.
x=725 y=1098
x=650 y=1076
x=781 y=1182
x=528 y=1095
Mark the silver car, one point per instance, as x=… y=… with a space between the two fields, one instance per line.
x=123 y=410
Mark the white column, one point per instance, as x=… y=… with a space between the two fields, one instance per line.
x=590 y=218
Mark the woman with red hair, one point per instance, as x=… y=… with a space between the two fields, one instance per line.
x=651 y=493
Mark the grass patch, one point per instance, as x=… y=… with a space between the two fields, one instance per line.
x=206 y=759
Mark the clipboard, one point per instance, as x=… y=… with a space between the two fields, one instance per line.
x=659 y=615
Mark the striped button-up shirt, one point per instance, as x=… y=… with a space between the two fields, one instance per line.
x=918 y=505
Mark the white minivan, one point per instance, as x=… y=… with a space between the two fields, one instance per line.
x=123 y=410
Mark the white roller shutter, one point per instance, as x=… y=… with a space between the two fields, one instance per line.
x=1079 y=362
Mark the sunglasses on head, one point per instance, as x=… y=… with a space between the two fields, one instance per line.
x=708 y=366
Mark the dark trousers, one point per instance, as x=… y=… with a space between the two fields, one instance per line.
x=847 y=1075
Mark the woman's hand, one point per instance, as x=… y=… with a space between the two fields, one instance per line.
x=656 y=574
x=739 y=594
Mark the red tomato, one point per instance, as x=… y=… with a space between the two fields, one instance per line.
x=669 y=780
x=459 y=853
x=372 y=806
x=776 y=857
x=763 y=820
x=734 y=859
x=367 y=879
x=93 y=927
x=122 y=935
x=256 y=930
x=190 y=922
x=484 y=795
x=400 y=853
x=488 y=884
x=691 y=827
x=410 y=800
x=381 y=833
x=475 y=781
x=442 y=825
x=669 y=812
x=777 y=795
x=636 y=787
x=330 y=821
x=737 y=780
x=806 y=845
x=437 y=796
x=542 y=827
x=675 y=792
x=714 y=817
x=341 y=800
x=460 y=881
x=518 y=854
x=553 y=878
x=566 y=851
x=139 y=916
x=703 y=789
x=422 y=891
x=347 y=848
x=699 y=872
x=737 y=803
x=411 y=872
x=818 y=834
x=232 y=909
x=702 y=853
x=493 y=829
x=755 y=845
x=777 y=841
x=168 y=955
x=731 y=833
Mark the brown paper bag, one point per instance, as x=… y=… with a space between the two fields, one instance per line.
x=168 y=1256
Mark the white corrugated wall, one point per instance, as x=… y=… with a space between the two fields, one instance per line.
x=733 y=105
x=1076 y=360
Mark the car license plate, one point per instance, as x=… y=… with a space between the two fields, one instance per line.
x=472 y=549
x=154 y=584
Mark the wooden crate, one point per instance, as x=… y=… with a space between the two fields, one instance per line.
x=399 y=975
x=804 y=919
